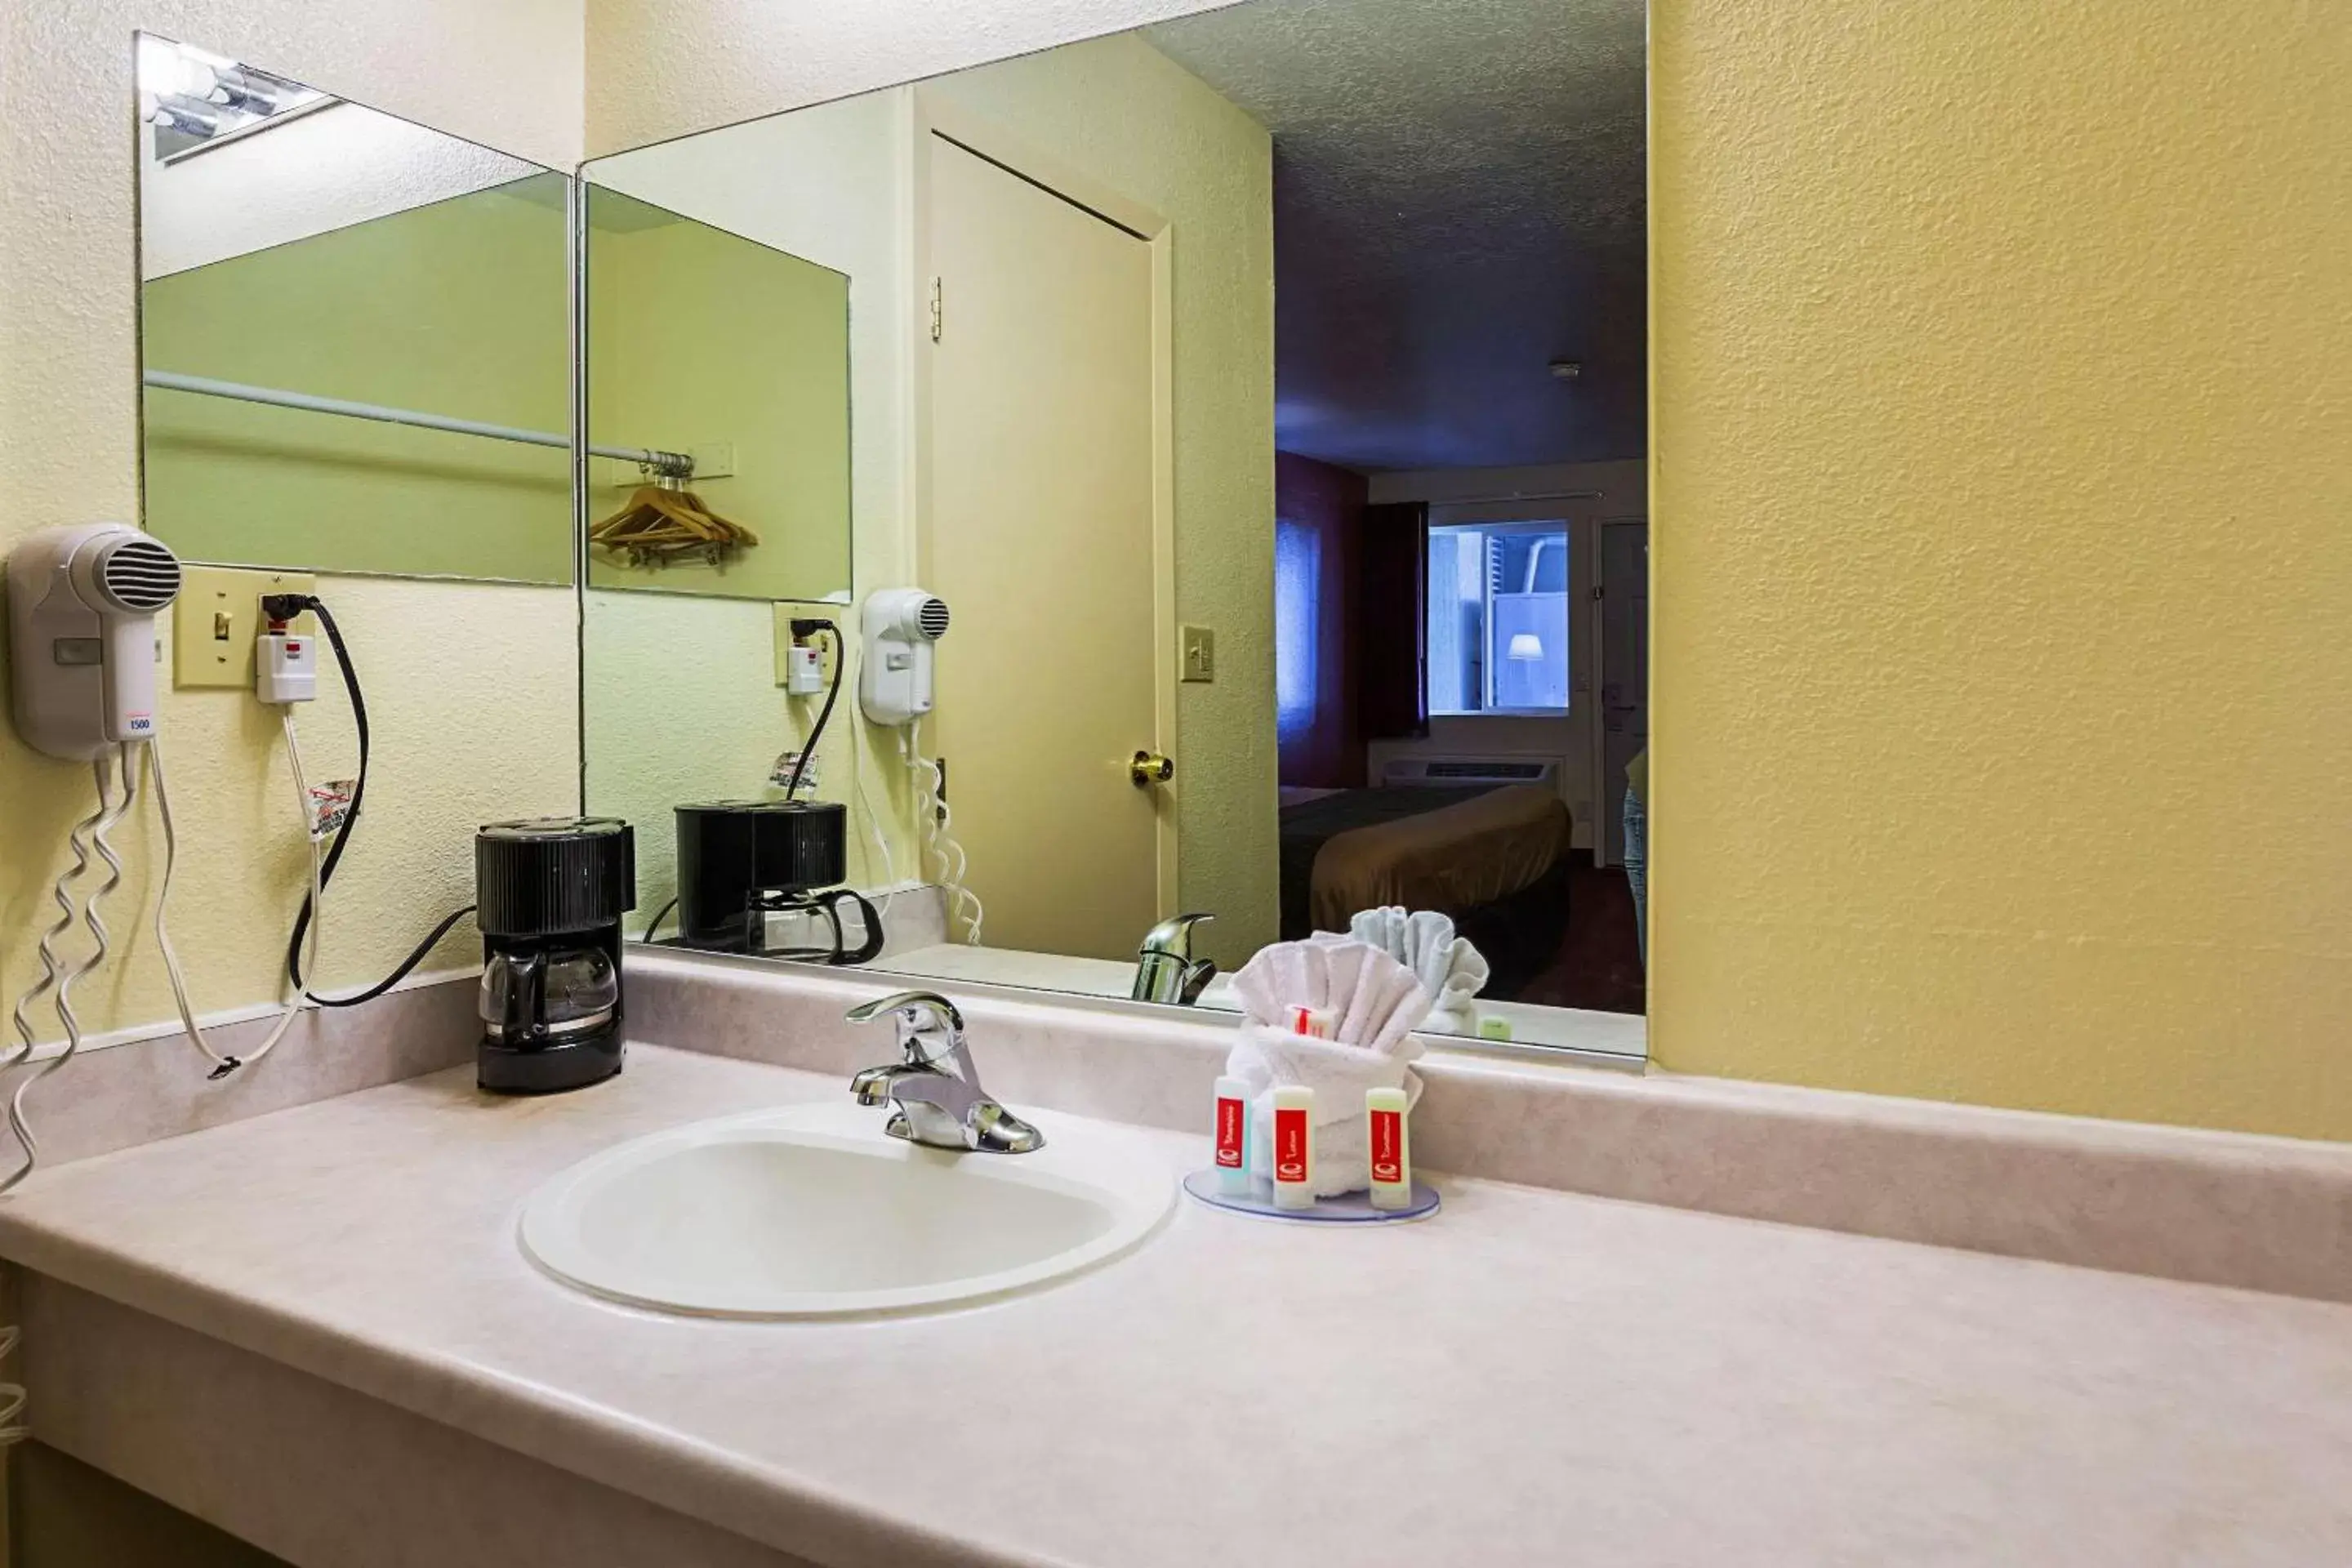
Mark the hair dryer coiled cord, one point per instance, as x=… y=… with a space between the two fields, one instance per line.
x=54 y=976
x=939 y=838
x=88 y=836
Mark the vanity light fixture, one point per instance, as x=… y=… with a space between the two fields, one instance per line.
x=196 y=99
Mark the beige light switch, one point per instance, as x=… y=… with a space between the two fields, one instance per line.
x=217 y=619
x=1198 y=654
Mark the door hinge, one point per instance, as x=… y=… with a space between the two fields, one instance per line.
x=938 y=312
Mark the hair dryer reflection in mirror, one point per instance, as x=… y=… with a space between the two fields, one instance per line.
x=899 y=626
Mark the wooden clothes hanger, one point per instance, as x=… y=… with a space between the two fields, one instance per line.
x=660 y=524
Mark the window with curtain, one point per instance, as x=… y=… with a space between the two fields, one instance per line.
x=1298 y=625
x=1498 y=606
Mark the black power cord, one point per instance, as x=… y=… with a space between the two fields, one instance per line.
x=654 y=924
x=282 y=607
x=807 y=628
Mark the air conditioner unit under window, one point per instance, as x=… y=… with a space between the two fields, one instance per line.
x=1472 y=772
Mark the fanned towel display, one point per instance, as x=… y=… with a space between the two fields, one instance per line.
x=1449 y=968
x=1373 y=1003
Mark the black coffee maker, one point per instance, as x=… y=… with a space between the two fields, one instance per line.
x=549 y=895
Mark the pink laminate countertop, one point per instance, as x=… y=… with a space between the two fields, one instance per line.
x=1532 y=1377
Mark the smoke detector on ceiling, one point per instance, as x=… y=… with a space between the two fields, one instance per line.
x=1566 y=368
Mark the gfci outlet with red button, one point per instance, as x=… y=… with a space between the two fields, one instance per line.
x=285 y=667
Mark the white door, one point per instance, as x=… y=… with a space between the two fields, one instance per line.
x=1624 y=671
x=1040 y=539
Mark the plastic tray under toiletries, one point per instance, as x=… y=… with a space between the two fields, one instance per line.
x=1348 y=1208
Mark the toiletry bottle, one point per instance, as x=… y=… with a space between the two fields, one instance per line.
x=1294 y=1147
x=1391 y=1143
x=1233 y=1136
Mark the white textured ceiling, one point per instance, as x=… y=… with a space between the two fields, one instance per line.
x=1458 y=200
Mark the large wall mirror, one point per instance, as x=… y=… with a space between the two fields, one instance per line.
x=1245 y=438
x=355 y=334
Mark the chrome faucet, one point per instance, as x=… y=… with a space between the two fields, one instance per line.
x=934 y=1090
x=1165 y=968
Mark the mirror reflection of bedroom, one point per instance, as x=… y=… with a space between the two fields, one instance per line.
x=1261 y=396
x=1461 y=542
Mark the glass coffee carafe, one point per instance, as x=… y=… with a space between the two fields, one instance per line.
x=536 y=994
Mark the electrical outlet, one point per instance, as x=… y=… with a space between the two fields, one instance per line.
x=1198 y=654
x=216 y=619
x=786 y=612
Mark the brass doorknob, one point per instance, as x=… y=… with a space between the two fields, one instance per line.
x=1150 y=768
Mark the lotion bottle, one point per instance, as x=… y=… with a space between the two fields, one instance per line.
x=1294 y=1147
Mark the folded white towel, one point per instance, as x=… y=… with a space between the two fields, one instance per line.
x=1374 y=1002
x=1449 y=968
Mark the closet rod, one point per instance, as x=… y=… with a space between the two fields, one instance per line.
x=679 y=465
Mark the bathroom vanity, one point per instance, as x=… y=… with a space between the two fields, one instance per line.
x=328 y=1341
x=658 y=513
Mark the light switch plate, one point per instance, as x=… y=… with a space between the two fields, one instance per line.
x=217 y=617
x=1197 y=652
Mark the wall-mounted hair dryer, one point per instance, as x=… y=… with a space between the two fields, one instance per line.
x=81 y=634
x=894 y=679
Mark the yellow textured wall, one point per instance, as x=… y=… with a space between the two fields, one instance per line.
x=2002 y=490
x=471 y=686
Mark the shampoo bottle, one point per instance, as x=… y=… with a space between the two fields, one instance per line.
x=1233 y=1136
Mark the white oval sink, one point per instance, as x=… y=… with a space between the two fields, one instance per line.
x=812 y=1210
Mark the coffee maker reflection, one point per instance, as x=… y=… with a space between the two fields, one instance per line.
x=740 y=862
